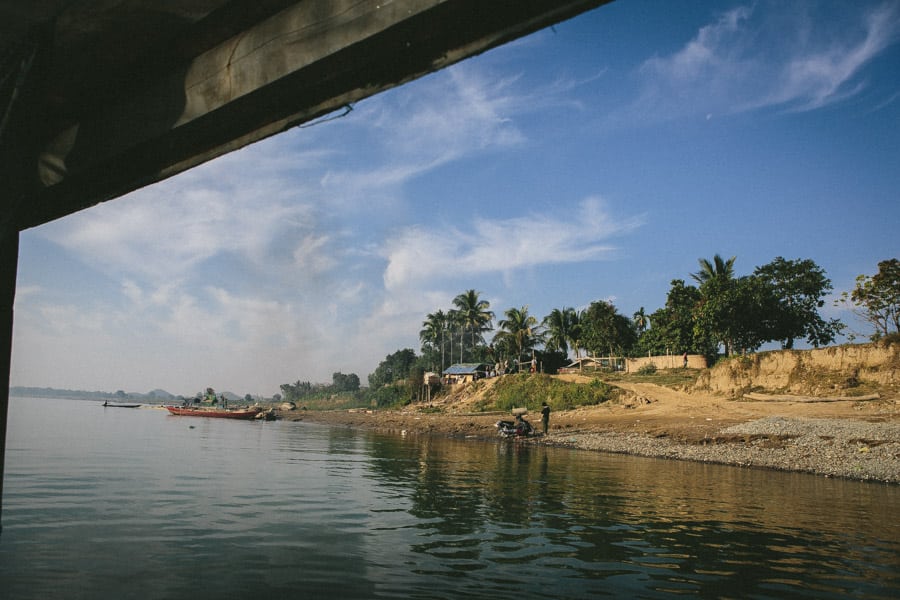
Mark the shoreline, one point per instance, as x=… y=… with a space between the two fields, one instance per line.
x=861 y=447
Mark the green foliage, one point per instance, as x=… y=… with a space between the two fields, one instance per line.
x=518 y=333
x=474 y=316
x=889 y=339
x=344 y=383
x=530 y=390
x=779 y=301
x=552 y=360
x=739 y=313
x=672 y=327
x=641 y=320
x=605 y=331
x=877 y=298
x=294 y=392
x=719 y=268
x=388 y=396
x=393 y=368
x=437 y=339
x=800 y=287
x=562 y=330
x=415 y=382
x=340 y=401
x=343 y=393
x=648 y=369
x=302 y=391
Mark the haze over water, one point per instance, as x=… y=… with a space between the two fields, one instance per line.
x=119 y=503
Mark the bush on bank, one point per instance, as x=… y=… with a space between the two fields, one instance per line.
x=531 y=390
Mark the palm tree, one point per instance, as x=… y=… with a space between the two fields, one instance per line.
x=575 y=330
x=641 y=320
x=718 y=269
x=433 y=330
x=559 y=326
x=715 y=308
x=518 y=331
x=473 y=314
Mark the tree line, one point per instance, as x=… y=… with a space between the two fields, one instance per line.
x=713 y=312
x=340 y=383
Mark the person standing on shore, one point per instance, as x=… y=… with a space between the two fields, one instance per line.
x=545 y=417
x=685 y=361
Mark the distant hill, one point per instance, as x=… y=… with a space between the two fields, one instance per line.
x=157 y=395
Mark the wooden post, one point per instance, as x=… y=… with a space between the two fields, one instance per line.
x=9 y=260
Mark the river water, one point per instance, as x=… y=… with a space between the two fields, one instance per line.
x=134 y=503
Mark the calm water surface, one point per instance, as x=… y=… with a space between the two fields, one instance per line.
x=116 y=503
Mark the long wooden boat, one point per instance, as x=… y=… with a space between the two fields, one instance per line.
x=217 y=413
x=119 y=405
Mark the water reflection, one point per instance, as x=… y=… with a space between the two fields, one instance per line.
x=138 y=504
x=650 y=525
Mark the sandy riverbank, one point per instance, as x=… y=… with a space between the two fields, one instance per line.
x=856 y=439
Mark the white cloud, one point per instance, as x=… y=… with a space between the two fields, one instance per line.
x=500 y=245
x=263 y=266
x=749 y=59
x=459 y=113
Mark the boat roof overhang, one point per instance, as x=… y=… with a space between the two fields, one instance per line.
x=101 y=97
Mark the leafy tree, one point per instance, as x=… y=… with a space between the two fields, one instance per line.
x=415 y=382
x=719 y=268
x=394 y=367
x=672 y=327
x=877 y=298
x=605 y=330
x=738 y=313
x=473 y=314
x=295 y=391
x=552 y=360
x=518 y=332
x=344 y=383
x=386 y=395
x=800 y=287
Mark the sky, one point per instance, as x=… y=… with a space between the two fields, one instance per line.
x=595 y=160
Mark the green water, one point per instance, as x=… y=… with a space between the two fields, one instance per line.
x=119 y=503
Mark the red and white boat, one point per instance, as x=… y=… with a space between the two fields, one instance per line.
x=218 y=413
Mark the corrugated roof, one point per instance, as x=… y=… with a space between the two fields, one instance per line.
x=464 y=368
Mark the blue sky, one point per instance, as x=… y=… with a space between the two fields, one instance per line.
x=598 y=159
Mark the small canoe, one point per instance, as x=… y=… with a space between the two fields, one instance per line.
x=116 y=405
x=216 y=413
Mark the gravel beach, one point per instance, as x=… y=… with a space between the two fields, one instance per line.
x=831 y=447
